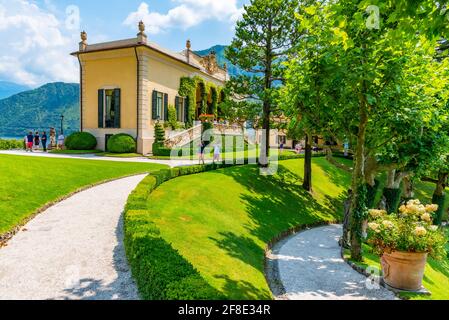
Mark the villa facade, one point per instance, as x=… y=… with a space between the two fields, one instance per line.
x=129 y=85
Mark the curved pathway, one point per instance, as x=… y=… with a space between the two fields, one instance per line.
x=171 y=163
x=73 y=250
x=310 y=267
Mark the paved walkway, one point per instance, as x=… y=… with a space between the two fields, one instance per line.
x=171 y=163
x=73 y=250
x=310 y=267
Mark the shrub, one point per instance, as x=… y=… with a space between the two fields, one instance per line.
x=122 y=143
x=172 y=118
x=160 y=150
x=11 y=144
x=159 y=133
x=409 y=230
x=81 y=141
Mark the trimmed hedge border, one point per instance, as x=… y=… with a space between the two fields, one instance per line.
x=160 y=272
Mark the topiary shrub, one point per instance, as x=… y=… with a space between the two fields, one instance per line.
x=122 y=143
x=81 y=141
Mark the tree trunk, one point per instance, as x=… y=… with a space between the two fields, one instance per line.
x=265 y=149
x=307 y=185
x=392 y=192
x=358 y=203
x=408 y=188
x=439 y=196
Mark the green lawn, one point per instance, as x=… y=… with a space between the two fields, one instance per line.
x=221 y=221
x=75 y=151
x=27 y=183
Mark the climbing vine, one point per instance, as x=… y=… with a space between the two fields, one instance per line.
x=188 y=88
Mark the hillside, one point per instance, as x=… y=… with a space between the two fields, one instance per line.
x=220 y=51
x=40 y=109
x=8 y=89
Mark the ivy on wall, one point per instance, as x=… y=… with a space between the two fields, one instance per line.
x=188 y=88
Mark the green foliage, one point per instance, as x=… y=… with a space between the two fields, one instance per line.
x=393 y=198
x=159 y=133
x=188 y=88
x=40 y=109
x=11 y=144
x=122 y=143
x=439 y=200
x=172 y=118
x=81 y=141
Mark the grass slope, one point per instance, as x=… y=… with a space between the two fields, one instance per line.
x=221 y=221
x=26 y=184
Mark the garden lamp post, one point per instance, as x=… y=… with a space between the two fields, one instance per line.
x=62 y=124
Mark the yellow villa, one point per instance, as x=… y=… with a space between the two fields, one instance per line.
x=129 y=85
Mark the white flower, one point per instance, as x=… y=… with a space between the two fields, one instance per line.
x=420 y=231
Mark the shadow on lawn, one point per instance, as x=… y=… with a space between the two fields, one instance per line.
x=274 y=204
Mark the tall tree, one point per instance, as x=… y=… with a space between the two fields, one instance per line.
x=370 y=53
x=264 y=38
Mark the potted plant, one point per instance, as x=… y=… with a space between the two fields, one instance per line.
x=404 y=240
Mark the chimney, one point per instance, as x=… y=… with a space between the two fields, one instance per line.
x=188 y=46
x=141 y=36
x=83 y=43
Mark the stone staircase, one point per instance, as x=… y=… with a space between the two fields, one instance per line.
x=183 y=138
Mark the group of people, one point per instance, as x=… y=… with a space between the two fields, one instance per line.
x=35 y=141
x=202 y=152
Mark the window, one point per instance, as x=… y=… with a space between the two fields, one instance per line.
x=282 y=139
x=160 y=106
x=109 y=108
x=179 y=104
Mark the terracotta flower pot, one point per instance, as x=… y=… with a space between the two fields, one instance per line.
x=404 y=270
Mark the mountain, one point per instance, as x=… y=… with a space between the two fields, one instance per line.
x=40 y=109
x=8 y=89
x=221 y=59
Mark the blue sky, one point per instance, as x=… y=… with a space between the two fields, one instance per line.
x=38 y=35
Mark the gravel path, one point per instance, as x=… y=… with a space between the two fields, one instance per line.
x=73 y=250
x=310 y=267
x=171 y=163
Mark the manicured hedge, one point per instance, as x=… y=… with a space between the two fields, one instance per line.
x=81 y=141
x=11 y=144
x=122 y=143
x=161 y=273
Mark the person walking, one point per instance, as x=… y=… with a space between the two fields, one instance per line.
x=217 y=152
x=61 y=140
x=37 y=140
x=201 y=152
x=44 y=141
x=30 y=141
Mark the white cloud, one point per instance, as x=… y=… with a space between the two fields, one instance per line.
x=35 y=45
x=187 y=14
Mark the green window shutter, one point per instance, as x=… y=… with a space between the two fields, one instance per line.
x=186 y=109
x=177 y=108
x=117 y=105
x=154 y=113
x=100 y=108
x=166 y=107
